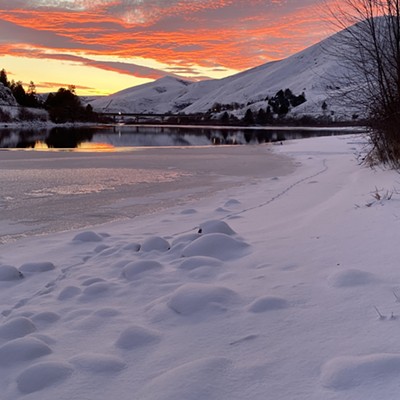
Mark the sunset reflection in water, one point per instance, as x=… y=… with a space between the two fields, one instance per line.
x=82 y=147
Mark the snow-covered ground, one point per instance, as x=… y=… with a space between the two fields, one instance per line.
x=284 y=287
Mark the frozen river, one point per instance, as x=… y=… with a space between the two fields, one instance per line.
x=43 y=192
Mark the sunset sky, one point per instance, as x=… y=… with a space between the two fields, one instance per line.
x=103 y=46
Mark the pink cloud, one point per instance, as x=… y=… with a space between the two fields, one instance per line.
x=211 y=33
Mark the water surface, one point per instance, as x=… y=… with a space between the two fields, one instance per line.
x=120 y=137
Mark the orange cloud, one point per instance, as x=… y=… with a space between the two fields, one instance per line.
x=215 y=34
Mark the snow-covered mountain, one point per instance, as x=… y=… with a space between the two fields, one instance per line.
x=314 y=72
x=154 y=97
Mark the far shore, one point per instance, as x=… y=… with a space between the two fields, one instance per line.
x=50 y=125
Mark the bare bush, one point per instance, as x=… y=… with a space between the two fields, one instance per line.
x=370 y=47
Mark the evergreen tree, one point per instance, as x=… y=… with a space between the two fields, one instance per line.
x=225 y=118
x=248 y=118
x=268 y=115
x=3 y=78
x=32 y=99
x=65 y=106
x=283 y=108
x=19 y=93
x=261 y=117
x=297 y=100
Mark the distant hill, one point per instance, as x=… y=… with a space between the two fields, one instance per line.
x=315 y=72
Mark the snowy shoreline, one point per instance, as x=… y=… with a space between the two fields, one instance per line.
x=265 y=290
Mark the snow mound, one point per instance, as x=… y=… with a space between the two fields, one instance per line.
x=217 y=245
x=91 y=281
x=344 y=373
x=192 y=298
x=34 y=267
x=232 y=202
x=88 y=236
x=23 y=349
x=98 y=363
x=132 y=246
x=185 y=239
x=188 y=211
x=136 y=336
x=216 y=226
x=352 y=277
x=69 y=292
x=16 y=328
x=43 y=375
x=268 y=303
x=199 y=261
x=136 y=269
x=155 y=243
x=201 y=379
x=96 y=289
x=101 y=247
x=9 y=273
x=46 y=316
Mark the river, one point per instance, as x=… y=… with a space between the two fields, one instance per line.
x=119 y=137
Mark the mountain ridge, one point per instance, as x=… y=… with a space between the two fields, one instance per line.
x=315 y=72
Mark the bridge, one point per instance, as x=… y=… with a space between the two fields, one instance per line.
x=138 y=117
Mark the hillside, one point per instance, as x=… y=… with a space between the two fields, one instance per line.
x=154 y=97
x=314 y=72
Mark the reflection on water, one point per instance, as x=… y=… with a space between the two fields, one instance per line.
x=84 y=146
x=119 y=137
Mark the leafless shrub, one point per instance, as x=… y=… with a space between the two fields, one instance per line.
x=369 y=45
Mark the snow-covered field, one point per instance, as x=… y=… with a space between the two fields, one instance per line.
x=286 y=287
